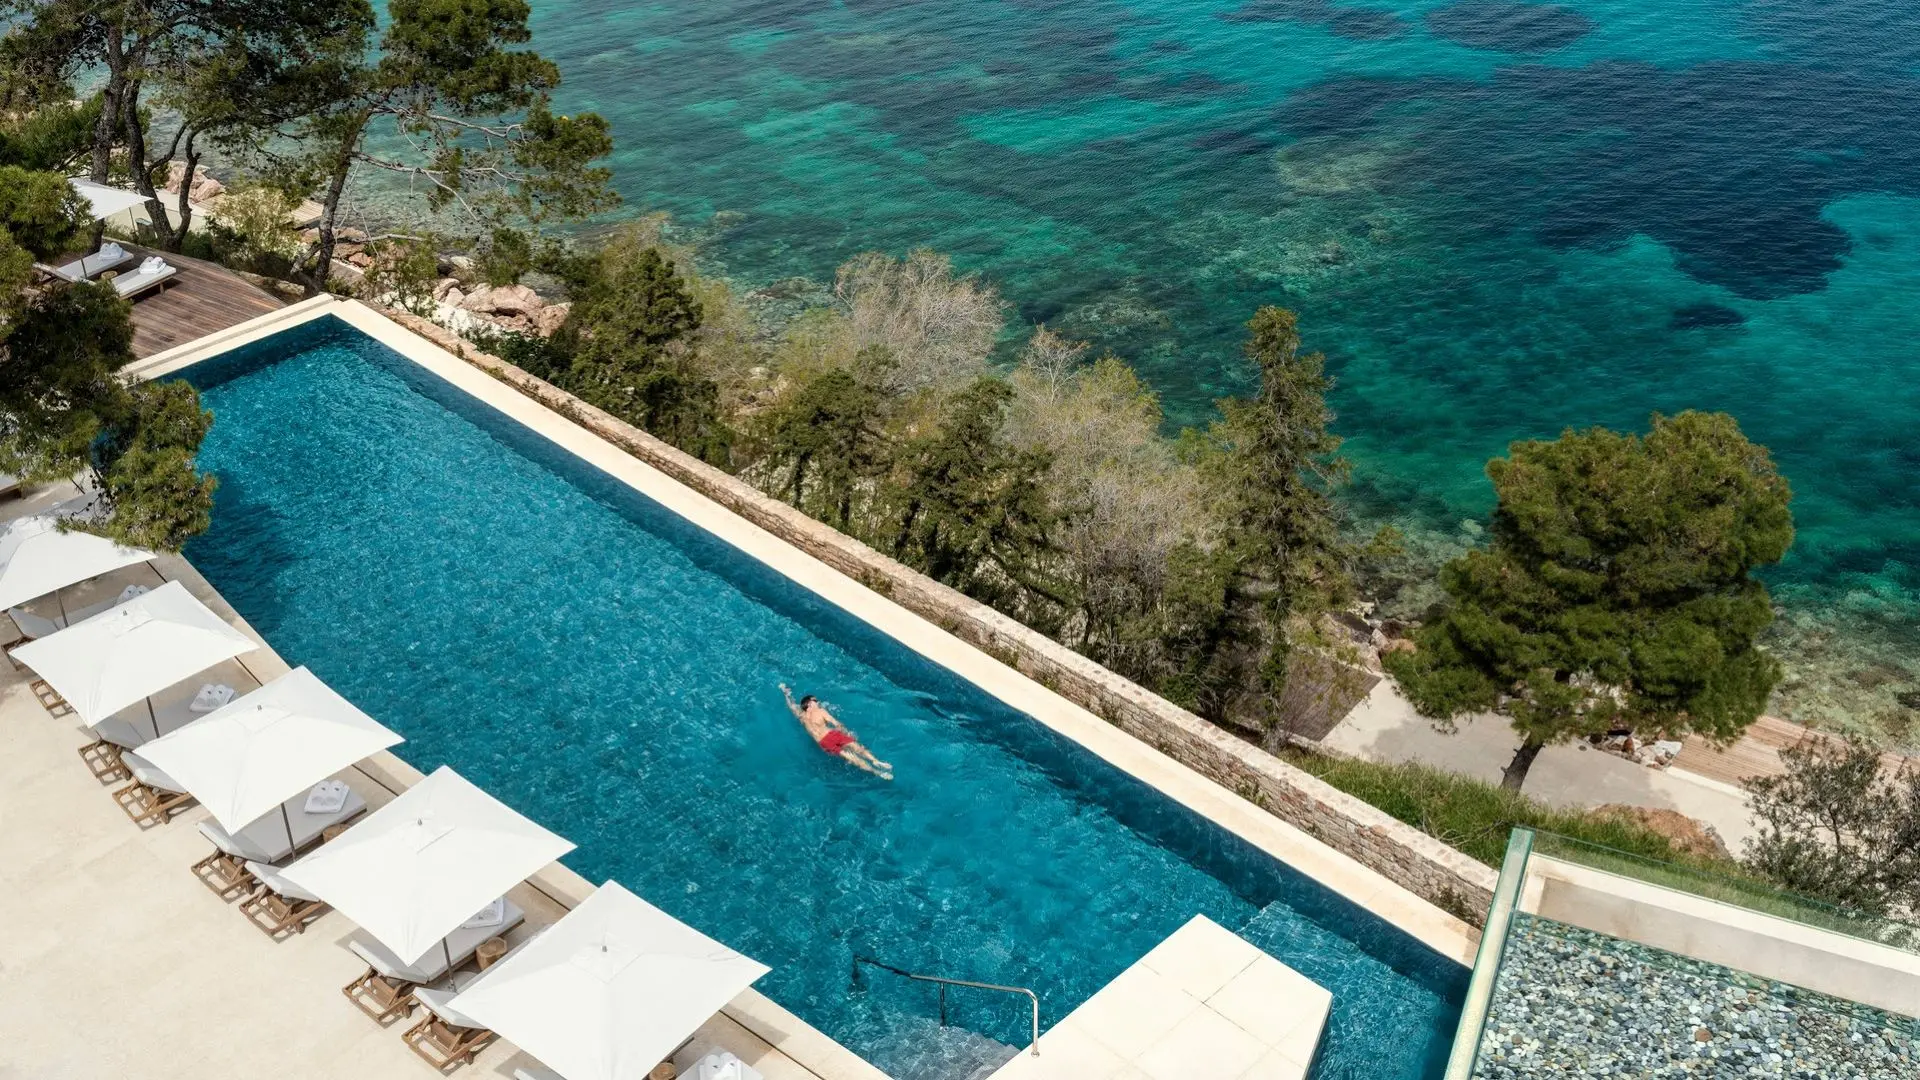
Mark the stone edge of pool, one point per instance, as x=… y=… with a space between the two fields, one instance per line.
x=1350 y=878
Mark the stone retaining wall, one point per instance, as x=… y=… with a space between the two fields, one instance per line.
x=1445 y=877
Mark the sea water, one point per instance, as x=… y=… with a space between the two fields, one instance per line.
x=1498 y=219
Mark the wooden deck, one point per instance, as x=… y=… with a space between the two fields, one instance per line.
x=201 y=299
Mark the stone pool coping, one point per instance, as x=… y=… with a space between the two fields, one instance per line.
x=1145 y=751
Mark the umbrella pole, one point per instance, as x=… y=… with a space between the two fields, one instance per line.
x=154 y=716
x=446 y=950
x=288 y=822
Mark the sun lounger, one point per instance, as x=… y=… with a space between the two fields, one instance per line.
x=153 y=797
x=133 y=284
x=9 y=485
x=225 y=871
x=278 y=906
x=88 y=267
x=129 y=729
x=265 y=841
x=173 y=714
x=382 y=992
x=445 y=1038
x=28 y=627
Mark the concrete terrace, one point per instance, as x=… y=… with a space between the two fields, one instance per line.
x=116 y=961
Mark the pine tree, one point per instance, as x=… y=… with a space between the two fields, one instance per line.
x=1618 y=589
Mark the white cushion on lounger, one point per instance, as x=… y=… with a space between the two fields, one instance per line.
x=268 y=833
x=238 y=846
x=436 y=1003
x=141 y=280
x=270 y=877
x=433 y=963
x=144 y=772
x=80 y=615
x=122 y=731
x=32 y=626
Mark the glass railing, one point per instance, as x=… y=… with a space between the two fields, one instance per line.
x=1749 y=893
x=1487 y=961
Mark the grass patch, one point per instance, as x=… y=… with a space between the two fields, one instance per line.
x=1475 y=816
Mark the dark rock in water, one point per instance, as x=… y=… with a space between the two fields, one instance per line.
x=1233 y=142
x=1699 y=316
x=1367 y=24
x=1359 y=24
x=1509 y=27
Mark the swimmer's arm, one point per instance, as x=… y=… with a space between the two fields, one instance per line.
x=788 y=694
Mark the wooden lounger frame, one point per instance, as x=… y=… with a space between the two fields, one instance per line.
x=276 y=916
x=442 y=1045
x=48 y=697
x=384 y=1000
x=147 y=807
x=103 y=760
x=226 y=875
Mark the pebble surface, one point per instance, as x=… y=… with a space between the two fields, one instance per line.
x=1573 y=1003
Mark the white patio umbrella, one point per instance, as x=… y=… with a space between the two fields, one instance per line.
x=610 y=990
x=248 y=757
x=132 y=651
x=421 y=865
x=103 y=201
x=37 y=558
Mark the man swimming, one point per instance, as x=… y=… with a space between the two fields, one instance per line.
x=833 y=736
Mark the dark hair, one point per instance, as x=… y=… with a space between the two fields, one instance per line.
x=809 y=699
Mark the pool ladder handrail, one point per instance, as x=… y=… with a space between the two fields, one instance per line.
x=944 y=982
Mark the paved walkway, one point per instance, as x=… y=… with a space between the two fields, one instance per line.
x=1386 y=728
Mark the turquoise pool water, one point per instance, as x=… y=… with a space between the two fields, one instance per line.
x=612 y=672
x=1498 y=218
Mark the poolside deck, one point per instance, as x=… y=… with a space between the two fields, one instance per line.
x=202 y=298
x=117 y=962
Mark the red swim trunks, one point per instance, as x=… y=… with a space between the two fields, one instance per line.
x=835 y=741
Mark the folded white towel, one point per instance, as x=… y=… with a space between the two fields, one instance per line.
x=492 y=915
x=152 y=264
x=327 y=797
x=110 y=252
x=210 y=697
x=722 y=1066
x=132 y=591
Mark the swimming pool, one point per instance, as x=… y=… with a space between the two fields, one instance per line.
x=613 y=672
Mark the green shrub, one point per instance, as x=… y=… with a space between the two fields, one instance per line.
x=1472 y=815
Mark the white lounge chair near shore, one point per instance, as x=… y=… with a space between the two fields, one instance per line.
x=111 y=256
x=132 y=284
